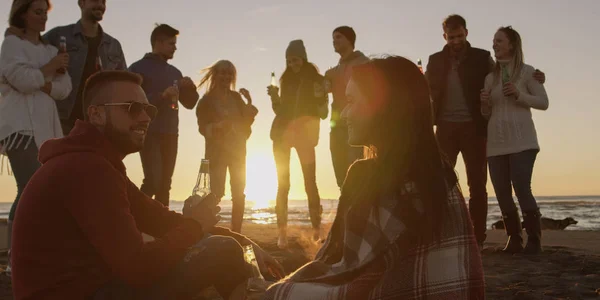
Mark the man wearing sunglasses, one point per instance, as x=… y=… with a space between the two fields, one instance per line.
x=82 y=196
x=165 y=86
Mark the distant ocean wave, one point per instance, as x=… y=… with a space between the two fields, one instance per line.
x=584 y=209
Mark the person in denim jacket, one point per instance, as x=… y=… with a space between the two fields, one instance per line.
x=90 y=50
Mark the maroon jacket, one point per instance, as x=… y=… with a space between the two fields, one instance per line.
x=79 y=223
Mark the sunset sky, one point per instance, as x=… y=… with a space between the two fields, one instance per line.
x=560 y=37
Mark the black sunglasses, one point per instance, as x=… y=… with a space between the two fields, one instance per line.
x=136 y=108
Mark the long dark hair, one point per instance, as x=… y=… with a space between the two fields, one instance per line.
x=402 y=139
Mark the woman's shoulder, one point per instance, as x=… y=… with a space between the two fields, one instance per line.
x=359 y=169
x=12 y=41
x=527 y=70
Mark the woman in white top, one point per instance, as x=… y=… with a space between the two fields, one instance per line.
x=31 y=78
x=509 y=94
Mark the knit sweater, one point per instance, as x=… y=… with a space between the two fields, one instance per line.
x=510 y=128
x=24 y=108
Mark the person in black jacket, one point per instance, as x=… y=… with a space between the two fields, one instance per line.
x=298 y=110
x=225 y=121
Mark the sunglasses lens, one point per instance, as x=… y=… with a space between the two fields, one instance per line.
x=136 y=108
x=151 y=110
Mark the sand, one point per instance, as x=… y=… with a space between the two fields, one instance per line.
x=569 y=268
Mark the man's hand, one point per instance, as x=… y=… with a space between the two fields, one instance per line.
x=171 y=93
x=186 y=82
x=539 y=76
x=205 y=212
x=266 y=263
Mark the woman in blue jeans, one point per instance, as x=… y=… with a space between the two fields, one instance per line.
x=509 y=94
x=32 y=77
x=298 y=113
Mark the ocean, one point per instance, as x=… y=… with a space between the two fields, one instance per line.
x=584 y=209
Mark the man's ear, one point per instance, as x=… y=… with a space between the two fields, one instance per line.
x=96 y=115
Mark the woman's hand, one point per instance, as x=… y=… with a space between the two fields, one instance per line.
x=484 y=97
x=47 y=88
x=266 y=263
x=273 y=91
x=61 y=60
x=246 y=95
x=509 y=89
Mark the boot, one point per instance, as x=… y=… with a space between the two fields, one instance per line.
x=237 y=214
x=533 y=226
x=512 y=225
x=282 y=242
x=8 y=245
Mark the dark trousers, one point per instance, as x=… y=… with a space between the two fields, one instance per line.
x=24 y=163
x=282 y=152
x=463 y=137
x=235 y=162
x=513 y=171
x=215 y=261
x=158 y=162
x=342 y=154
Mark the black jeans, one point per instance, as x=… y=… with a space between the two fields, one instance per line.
x=218 y=261
x=235 y=162
x=463 y=137
x=282 y=153
x=342 y=154
x=24 y=163
x=158 y=161
x=514 y=171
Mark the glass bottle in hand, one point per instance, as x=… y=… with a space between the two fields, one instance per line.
x=202 y=188
x=174 y=104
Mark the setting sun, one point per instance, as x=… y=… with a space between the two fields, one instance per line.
x=261 y=182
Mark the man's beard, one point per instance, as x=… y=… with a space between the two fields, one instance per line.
x=91 y=16
x=121 y=140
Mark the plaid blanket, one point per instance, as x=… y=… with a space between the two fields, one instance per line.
x=381 y=259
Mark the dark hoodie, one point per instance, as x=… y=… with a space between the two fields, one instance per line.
x=80 y=219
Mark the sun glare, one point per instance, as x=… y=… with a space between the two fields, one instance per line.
x=261 y=179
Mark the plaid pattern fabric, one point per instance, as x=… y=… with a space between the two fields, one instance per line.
x=381 y=261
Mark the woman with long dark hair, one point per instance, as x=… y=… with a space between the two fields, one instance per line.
x=402 y=230
x=298 y=112
x=225 y=121
x=509 y=94
x=32 y=77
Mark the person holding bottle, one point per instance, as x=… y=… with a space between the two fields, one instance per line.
x=298 y=112
x=30 y=82
x=225 y=121
x=509 y=94
x=165 y=86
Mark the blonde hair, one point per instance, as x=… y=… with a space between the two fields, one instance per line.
x=211 y=71
x=517 y=60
